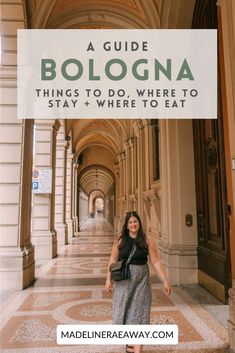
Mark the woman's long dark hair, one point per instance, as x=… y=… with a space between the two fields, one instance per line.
x=140 y=239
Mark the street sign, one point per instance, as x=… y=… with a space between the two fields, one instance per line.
x=42 y=181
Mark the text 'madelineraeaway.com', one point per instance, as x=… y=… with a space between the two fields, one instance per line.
x=117 y=334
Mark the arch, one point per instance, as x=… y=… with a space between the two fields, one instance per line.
x=92 y=196
x=96 y=177
x=93 y=14
x=95 y=144
x=96 y=127
x=98 y=166
x=88 y=141
x=101 y=19
x=102 y=14
x=97 y=192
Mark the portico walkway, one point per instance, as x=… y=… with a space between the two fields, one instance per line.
x=70 y=290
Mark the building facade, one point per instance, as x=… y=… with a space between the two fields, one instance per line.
x=178 y=174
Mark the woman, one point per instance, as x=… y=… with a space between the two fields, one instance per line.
x=132 y=297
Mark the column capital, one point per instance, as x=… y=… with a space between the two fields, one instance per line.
x=126 y=145
x=133 y=197
x=67 y=145
x=123 y=155
x=117 y=168
x=151 y=195
x=138 y=127
x=56 y=125
x=131 y=142
x=119 y=157
x=47 y=123
x=136 y=131
x=140 y=124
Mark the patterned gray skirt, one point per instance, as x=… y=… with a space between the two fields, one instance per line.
x=132 y=298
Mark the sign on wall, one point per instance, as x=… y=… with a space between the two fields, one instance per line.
x=42 y=181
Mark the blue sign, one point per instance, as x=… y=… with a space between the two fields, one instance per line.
x=34 y=185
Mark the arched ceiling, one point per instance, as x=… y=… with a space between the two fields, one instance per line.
x=94 y=14
x=96 y=193
x=110 y=14
x=95 y=178
x=109 y=133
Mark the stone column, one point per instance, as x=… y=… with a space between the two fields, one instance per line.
x=135 y=168
x=129 y=166
x=177 y=242
x=75 y=196
x=124 y=186
x=69 y=190
x=60 y=192
x=121 y=193
x=117 y=197
x=132 y=170
x=138 y=128
x=153 y=223
x=43 y=222
x=126 y=172
x=147 y=203
x=146 y=156
x=120 y=178
x=16 y=149
x=132 y=175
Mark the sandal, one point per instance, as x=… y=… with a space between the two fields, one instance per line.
x=129 y=347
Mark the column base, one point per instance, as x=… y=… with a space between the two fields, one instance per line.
x=75 y=222
x=70 y=229
x=17 y=268
x=45 y=245
x=231 y=321
x=62 y=233
x=180 y=261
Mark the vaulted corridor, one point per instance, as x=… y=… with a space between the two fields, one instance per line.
x=70 y=290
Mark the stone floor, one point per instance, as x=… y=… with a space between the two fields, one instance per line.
x=70 y=290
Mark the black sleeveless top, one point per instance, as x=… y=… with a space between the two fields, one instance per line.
x=140 y=257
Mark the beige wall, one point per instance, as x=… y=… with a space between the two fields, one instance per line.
x=16 y=136
x=44 y=236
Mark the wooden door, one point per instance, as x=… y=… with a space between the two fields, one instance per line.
x=212 y=208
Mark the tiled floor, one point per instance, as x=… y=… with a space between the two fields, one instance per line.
x=70 y=290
